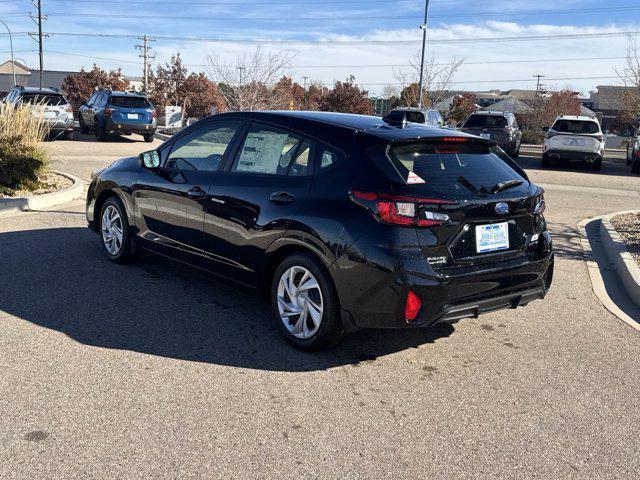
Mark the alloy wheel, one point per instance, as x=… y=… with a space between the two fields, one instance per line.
x=112 y=231
x=300 y=302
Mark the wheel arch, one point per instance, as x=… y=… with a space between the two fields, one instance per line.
x=102 y=197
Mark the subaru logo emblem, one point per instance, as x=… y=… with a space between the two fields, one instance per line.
x=502 y=208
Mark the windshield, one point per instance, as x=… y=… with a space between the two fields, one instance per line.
x=460 y=170
x=40 y=99
x=576 y=126
x=487 y=121
x=130 y=102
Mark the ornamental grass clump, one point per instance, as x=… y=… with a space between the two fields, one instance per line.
x=23 y=153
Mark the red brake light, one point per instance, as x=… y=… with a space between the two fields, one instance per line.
x=412 y=307
x=69 y=109
x=401 y=210
x=453 y=139
x=154 y=113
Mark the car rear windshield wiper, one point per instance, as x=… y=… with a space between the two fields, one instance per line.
x=499 y=187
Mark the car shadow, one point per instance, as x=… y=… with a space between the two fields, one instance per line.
x=59 y=279
x=609 y=167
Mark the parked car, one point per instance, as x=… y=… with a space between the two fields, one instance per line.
x=501 y=127
x=343 y=221
x=574 y=138
x=124 y=113
x=49 y=102
x=633 y=152
x=425 y=116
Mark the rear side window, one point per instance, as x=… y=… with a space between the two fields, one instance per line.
x=461 y=170
x=48 y=100
x=270 y=151
x=486 y=121
x=130 y=102
x=576 y=126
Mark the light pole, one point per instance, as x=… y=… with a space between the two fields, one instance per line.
x=424 y=43
x=13 y=65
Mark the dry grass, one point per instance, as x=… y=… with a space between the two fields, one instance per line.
x=23 y=153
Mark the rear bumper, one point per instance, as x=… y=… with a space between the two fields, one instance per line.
x=141 y=128
x=61 y=126
x=572 y=155
x=374 y=294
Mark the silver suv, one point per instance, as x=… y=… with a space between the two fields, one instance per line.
x=574 y=138
x=57 y=110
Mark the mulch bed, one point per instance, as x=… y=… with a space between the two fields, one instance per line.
x=51 y=182
x=628 y=226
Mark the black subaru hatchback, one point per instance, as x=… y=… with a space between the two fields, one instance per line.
x=344 y=221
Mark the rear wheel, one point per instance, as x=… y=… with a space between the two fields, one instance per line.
x=597 y=165
x=305 y=303
x=68 y=135
x=635 y=168
x=148 y=137
x=114 y=231
x=101 y=133
x=83 y=128
x=545 y=160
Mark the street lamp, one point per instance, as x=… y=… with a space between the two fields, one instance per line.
x=13 y=65
x=423 y=27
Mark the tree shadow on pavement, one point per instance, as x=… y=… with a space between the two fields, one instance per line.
x=59 y=279
x=566 y=241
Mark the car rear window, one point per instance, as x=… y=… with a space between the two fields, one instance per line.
x=487 y=121
x=130 y=102
x=463 y=171
x=576 y=126
x=46 y=99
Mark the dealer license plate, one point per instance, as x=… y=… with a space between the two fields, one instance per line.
x=486 y=136
x=491 y=238
x=132 y=116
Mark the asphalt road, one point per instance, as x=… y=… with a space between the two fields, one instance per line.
x=153 y=371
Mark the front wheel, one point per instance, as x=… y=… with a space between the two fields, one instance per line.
x=305 y=303
x=101 y=133
x=114 y=231
x=597 y=165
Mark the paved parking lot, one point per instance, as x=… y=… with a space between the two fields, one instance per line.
x=154 y=371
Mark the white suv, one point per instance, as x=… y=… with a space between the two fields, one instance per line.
x=576 y=138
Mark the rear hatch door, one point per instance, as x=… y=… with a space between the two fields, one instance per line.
x=130 y=110
x=575 y=135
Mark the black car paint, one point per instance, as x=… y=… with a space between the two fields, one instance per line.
x=372 y=265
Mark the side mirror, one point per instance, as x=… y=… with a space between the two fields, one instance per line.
x=150 y=160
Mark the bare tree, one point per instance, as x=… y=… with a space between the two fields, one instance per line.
x=630 y=77
x=438 y=78
x=248 y=83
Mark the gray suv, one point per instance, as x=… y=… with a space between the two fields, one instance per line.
x=501 y=127
x=57 y=110
x=425 y=116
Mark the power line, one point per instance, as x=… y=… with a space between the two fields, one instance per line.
x=356 y=42
x=346 y=18
x=218 y=2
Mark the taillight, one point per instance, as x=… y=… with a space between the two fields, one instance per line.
x=154 y=113
x=413 y=306
x=402 y=210
x=636 y=154
x=541 y=206
x=549 y=135
x=600 y=138
x=69 y=109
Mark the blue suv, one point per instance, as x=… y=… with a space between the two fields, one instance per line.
x=118 y=112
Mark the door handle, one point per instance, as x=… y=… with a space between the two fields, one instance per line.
x=196 y=192
x=281 y=198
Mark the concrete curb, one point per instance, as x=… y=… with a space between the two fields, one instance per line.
x=624 y=264
x=21 y=204
x=162 y=136
x=600 y=267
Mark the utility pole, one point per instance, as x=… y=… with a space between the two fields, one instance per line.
x=304 y=88
x=424 y=44
x=240 y=68
x=538 y=83
x=147 y=57
x=40 y=39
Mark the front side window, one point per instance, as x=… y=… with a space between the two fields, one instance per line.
x=270 y=151
x=204 y=149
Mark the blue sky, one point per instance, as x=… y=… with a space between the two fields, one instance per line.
x=486 y=65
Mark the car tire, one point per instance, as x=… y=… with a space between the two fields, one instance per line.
x=635 y=167
x=120 y=249
x=68 y=135
x=83 y=128
x=545 y=161
x=148 y=137
x=101 y=133
x=298 y=330
x=597 y=165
